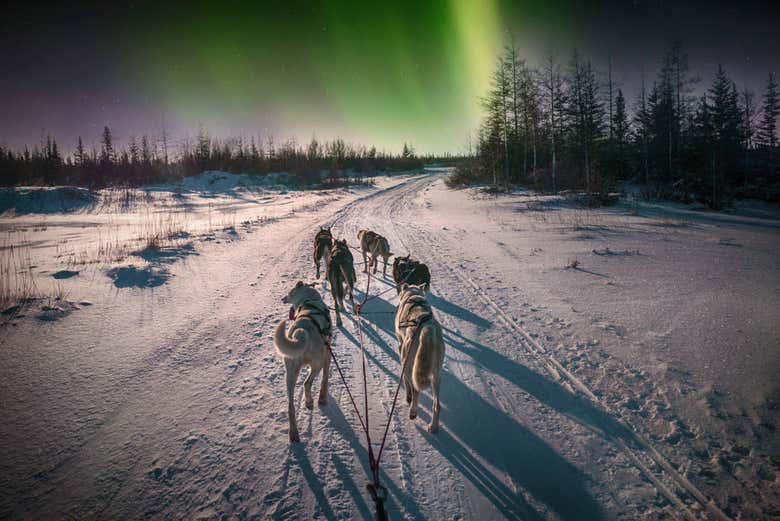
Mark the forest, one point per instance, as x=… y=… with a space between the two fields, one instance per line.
x=570 y=126
x=150 y=160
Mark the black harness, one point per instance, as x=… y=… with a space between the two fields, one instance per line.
x=319 y=314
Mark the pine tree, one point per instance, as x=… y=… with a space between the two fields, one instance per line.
x=531 y=112
x=767 y=130
x=620 y=134
x=726 y=116
x=106 y=148
x=620 y=125
x=497 y=124
x=748 y=110
x=585 y=114
x=643 y=125
x=553 y=86
x=79 y=155
x=134 y=156
x=313 y=150
x=146 y=152
x=726 y=136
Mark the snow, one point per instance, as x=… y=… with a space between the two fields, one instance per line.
x=154 y=389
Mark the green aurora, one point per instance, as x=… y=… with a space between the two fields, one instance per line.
x=375 y=74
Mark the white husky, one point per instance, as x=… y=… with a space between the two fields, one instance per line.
x=422 y=343
x=305 y=343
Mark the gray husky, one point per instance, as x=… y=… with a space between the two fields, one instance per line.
x=375 y=245
x=341 y=275
x=422 y=344
x=306 y=342
x=323 y=242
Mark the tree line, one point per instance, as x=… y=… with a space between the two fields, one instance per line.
x=147 y=161
x=569 y=126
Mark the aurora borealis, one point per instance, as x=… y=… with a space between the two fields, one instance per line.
x=368 y=73
x=375 y=73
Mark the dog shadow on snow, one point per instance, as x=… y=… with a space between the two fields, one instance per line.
x=477 y=431
x=444 y=305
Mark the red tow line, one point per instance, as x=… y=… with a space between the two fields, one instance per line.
x=377 y=491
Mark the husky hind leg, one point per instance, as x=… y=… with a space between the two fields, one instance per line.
x=434 y=425
x=307 y=388
x=323 y=399
x=292 y=368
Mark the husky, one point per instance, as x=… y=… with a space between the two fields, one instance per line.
x=411 y=271
x=373 y=244
x=422 y=343
x=323 y=242
x=341 y=273
x=306 y=342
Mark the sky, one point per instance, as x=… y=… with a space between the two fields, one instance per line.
x=379 y=74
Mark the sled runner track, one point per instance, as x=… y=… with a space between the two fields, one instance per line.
x=556 y=368
x=569 y=381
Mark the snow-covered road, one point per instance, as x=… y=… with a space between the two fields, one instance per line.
x=170 y=402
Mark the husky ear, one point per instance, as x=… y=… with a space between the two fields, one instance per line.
x=404 y=286
x=299 y=284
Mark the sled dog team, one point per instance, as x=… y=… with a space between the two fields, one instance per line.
x=305 y=339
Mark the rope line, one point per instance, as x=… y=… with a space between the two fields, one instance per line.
x=377 y=491
x=349 y=392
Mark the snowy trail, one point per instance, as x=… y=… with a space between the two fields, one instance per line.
x=171 y=404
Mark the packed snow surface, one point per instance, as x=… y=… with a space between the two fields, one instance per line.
x=578 y=342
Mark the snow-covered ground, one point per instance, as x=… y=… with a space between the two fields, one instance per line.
x=640 y=382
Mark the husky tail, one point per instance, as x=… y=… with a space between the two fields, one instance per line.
x=289 y=347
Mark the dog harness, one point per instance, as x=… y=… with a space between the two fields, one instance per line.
x=416 y=301
x=317 y=312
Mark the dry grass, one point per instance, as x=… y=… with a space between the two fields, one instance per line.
x=158 y=228
x=17 y=284
x=110 y=249
x=581 y=220
x=123 y=198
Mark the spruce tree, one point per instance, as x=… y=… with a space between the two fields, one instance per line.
x=767 y=130
x=79 y=155
x=106 y=148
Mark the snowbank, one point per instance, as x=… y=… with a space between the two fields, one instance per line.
x=215 y=181
x=24 y=200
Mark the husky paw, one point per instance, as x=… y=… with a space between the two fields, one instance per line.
x=294 y=438
x=322 y=401
x=433 y=429
x=310 y=404
x=412 y=415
